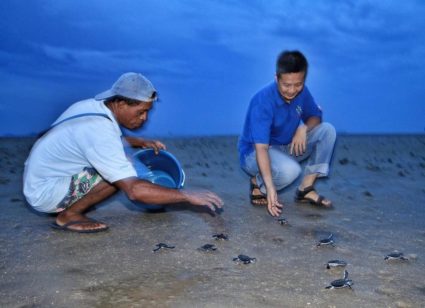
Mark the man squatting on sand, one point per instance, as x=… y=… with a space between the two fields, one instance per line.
x=283 y=126
x=81 y=161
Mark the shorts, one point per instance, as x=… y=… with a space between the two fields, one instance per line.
x=81 y=184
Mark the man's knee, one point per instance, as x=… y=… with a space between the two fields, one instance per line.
x=328 y=130
x=286 y=174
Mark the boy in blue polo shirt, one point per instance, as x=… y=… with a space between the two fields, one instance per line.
x=283 y=126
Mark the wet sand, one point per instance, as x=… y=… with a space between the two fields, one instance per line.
x=376 y=184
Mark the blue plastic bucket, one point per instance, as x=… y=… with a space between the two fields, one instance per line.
x=161 y=169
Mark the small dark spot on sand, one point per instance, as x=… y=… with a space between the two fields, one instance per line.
x=372 y=167
x=367 y=193
x=422 y=165
x=313 y=216
x=278 y=240
x=412 y=154
x=421 y=289
x=399 y=166
x=401 y=173
x=204 y=174
x=206 y=165
x=382 y=291
x=4 y=181
x=74 y=271
x=390 y=160
x=15 y=200
x=343 y=161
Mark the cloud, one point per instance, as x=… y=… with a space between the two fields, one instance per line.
x=215 y=53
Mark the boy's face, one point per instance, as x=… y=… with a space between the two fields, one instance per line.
x=290 y=85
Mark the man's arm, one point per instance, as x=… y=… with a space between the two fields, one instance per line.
x=138 y=142
x=263 y=161
x=299 y=141
x=146 y=192
x=312 y=122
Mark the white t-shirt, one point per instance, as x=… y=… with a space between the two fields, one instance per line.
x=65 y=150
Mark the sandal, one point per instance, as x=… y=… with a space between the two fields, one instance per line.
x=258 y=200
x=300 y=196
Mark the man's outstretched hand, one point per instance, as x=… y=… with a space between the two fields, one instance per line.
x=204 y=198
x=273 y=205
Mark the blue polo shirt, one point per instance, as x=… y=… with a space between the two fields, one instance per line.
x=271 y=120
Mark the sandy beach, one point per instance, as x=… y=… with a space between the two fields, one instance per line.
x=376 y=185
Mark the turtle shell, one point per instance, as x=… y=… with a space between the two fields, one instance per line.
x=208 y=247
x=335 y=263
x=396 y=256
x=245 y=259
x=220 y=236
x=159 y=246
x=341 y=283
x=282 y=221
x=326 y=241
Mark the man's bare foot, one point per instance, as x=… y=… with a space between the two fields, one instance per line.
x=77 y=222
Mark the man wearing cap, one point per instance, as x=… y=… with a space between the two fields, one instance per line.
x=283 y=126
x=80 y=160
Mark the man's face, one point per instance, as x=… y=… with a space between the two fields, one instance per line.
x=290 y=84
x=133 y=116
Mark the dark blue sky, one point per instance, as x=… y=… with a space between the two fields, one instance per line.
x=208 y=58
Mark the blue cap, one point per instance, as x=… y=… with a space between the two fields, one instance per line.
x=131 y=85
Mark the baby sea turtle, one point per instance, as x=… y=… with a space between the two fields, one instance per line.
x=244 y=259
x=327 y=241
x=283 y=221
x=162 y=245
x=396 y=256
x=208 y=248
x=341 y=283
x=335 y=263
x=220 y=236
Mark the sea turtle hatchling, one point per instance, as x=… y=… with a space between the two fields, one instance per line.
x=336 y=263
x=162 y=245
x=220 y=236
x=396 y=256
x=341 y=283
x=283 y=221
x=327 y=241
x=207 y=248
x=244 y=259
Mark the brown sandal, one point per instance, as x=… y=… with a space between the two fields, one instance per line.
x=300 y=196
x=257 y=200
